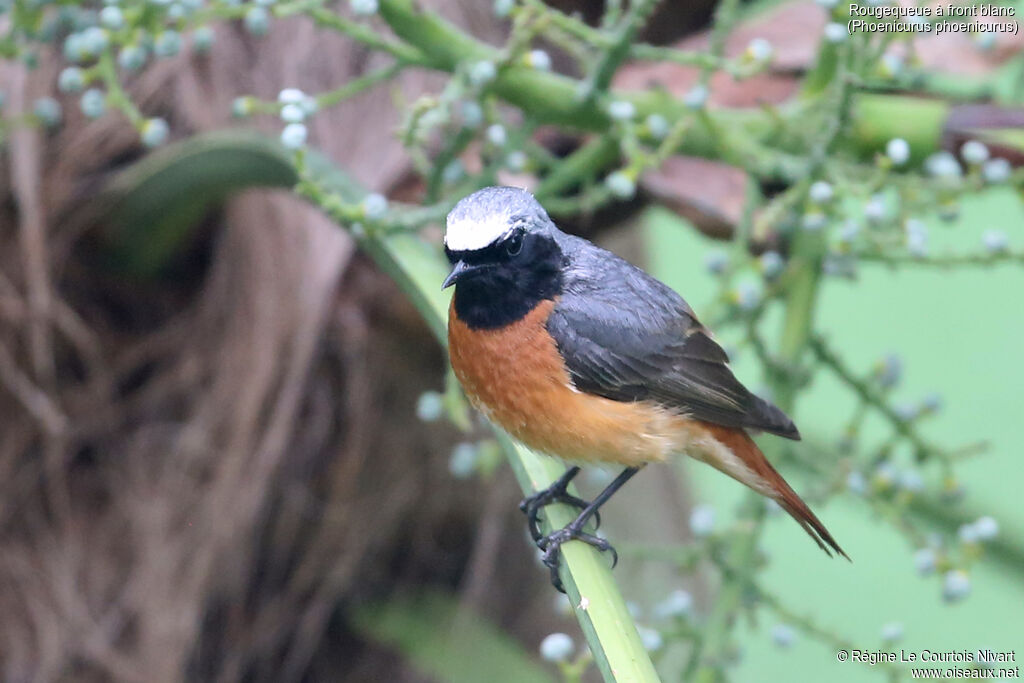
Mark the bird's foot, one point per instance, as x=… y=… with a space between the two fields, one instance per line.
x=552 y=543
x=556 y=493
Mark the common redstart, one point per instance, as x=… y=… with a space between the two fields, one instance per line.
x=580 y=355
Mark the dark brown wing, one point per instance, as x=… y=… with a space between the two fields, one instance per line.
x=628 y=337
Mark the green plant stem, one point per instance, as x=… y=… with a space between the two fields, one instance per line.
x=944 y=261
x=613 y=56
x=116 y=95
x=584 y=162
x=549 y=97
x=365 y=35
x=752 y=136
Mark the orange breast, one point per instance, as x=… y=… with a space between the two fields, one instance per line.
x=516 y=376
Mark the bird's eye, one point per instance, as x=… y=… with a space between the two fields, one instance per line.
x=514 y=244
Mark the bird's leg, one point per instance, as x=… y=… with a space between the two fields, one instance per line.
x=551 y=543
x=556 y=493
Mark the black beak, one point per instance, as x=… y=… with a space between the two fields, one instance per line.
x=460 y=270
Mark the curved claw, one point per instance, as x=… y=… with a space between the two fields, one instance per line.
x=552 y=543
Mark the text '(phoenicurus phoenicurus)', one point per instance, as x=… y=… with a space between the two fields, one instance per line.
x=582 y=356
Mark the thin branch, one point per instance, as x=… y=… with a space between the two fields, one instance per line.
x=943 y=261
x=873 y=397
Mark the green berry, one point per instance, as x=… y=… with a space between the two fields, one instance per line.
x=291 y=96
x=995 y=241
x=94 y=41
x=48 y=111
x=956 y=585
x=943 y=165
x=93 y=103
x=503 y=8
x=294 y=135
x=293 y=113
x=557 y=647
x=167 y=44
x=131 y=57
x=430 y=406
x=783 y=635
x=892 y=632
x=154 y=132
x=696 y=97
x=453 y=172
x=202 y=39
x=890 y=66
x=889 y=371
x=482 y=73
x=716 y=261
x=364 y=8
x=771 y=264
x=835 y=33
x=496 y=135
x=621 y=110
x=925 y=561
x=463 y=459
x=760 y=50
x=112 y=17
x=986 y=528
x=620 y=185
x=241 y=107
x=657 y=126
x=748 y=295
x=974 y=152
x=539 y=60
x=898 y=151
x=821 y=192
x=71 y=79
x=678 y=603
x=75 y=49
x=257 y=21
x=856 y=483
x=917 y=238
x=375 y=205
x=472 y=114
x=702 y=520
x=516 y=161
x=996 y=171
x=650 y=638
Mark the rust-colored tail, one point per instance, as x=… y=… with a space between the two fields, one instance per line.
x=744 y=448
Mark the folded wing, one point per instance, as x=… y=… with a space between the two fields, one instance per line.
x=629 y=337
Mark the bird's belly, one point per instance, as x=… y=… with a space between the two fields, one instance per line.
x=515 y=375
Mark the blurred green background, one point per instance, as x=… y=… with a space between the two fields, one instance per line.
x=959 y=333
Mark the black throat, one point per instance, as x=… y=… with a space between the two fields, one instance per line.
x=505 y=291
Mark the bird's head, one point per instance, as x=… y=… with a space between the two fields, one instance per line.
x=503 y=250
x=498 y=229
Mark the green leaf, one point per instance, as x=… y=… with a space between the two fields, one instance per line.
x=151 y=209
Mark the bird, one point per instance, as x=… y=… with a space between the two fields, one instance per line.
x=582 y=356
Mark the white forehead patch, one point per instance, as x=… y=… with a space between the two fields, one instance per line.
x=468 y=234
